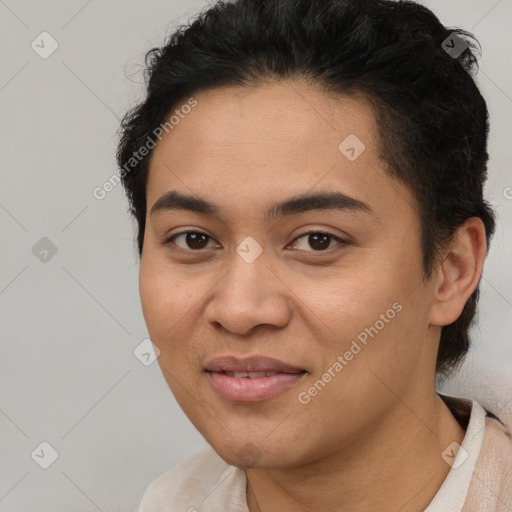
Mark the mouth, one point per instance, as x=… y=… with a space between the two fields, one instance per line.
x=253 y=375
x=251 y=380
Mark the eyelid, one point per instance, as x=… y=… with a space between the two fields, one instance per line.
x=169 y=240
x=341 y=241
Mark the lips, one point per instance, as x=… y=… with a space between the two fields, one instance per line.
x=253 y=379
x=250 y=375
x=250 y=365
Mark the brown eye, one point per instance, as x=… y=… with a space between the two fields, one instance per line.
x=318 y=240
x=193 y=240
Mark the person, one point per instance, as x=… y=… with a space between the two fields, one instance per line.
x=307 y=180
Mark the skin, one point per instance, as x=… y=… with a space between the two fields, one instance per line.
x=372 y=438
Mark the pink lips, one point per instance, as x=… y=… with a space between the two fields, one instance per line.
x=251 y=380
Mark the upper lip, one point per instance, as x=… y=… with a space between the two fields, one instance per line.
x=250 y=364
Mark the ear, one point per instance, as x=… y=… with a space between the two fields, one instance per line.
x=459 y=272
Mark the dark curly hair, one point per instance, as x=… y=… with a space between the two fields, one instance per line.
x=432 y=119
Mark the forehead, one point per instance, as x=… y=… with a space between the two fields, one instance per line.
x=245 y=145
x=289 y=115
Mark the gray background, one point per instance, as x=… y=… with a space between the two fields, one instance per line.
x=71 y=320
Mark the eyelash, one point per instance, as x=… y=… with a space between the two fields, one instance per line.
x=170 y=241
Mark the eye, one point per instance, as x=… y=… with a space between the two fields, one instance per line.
x=194 y=240
x=319 y=240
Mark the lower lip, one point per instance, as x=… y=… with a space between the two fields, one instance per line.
x=252 y=390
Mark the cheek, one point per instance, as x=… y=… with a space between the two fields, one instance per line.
x=170 y=304
x=163 y=297
x=369 y=313
x=153 y=295
x=351 y=300
x=166 y=302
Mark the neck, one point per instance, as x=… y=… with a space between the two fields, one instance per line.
x=397 y=466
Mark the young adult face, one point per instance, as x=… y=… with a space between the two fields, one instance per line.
x=305 y=299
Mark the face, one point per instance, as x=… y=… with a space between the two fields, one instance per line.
x=283 y=322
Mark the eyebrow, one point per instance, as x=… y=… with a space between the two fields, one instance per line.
x=324 y=201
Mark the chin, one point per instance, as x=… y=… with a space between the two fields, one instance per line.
x=253 y=453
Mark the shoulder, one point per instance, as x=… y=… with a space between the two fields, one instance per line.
x=186 y=485
x=497 y=444
x=498 y=440
x=491 y=486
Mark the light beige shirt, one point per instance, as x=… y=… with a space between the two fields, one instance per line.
x=480 y=478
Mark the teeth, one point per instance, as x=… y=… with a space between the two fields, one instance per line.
x=250 y=375
x=256 y=375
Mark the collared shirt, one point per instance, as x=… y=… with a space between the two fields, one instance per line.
x=480 y=478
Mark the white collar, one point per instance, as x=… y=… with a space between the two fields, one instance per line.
x=452 y=494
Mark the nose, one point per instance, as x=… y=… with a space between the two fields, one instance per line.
x=249 y=295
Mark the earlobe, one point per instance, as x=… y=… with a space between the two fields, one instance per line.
x=459 y=272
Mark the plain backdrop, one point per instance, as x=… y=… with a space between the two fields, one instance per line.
x=69 y=304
